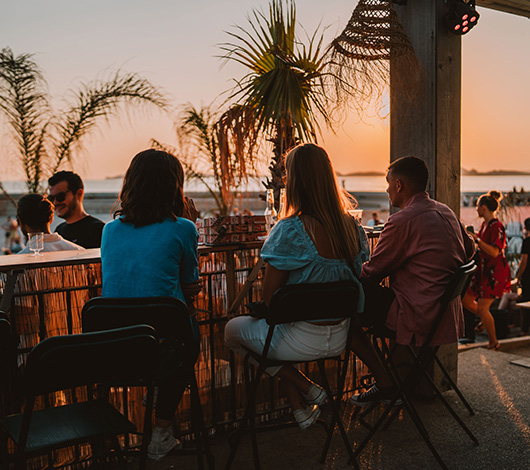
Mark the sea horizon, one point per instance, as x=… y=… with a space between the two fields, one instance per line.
x=355 y=184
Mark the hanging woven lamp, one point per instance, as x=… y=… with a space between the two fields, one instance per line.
x=359 y=58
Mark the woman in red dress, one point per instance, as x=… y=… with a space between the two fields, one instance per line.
x=492 y=278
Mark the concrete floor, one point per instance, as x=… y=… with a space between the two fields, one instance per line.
x=497 y=390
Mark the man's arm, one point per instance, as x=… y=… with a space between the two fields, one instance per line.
x=391 y=251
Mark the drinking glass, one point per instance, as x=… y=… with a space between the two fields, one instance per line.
x=36 y=242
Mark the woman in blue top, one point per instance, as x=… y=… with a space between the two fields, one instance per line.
x=316 y=241
x=151 y=251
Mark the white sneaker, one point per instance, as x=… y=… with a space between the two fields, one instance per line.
x=307 y=416
x=316 y=395
x=162 y=443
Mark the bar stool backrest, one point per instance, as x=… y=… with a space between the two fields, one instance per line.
x=124 y=355
x=5 y=330
x=169 y=316
x=306 y=302
x=456 y=287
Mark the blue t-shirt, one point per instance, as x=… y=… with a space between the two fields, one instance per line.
x=148 y=261
x=290 y=248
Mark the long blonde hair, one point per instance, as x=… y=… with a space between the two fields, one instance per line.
x=312 y=189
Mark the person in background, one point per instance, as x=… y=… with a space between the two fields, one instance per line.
x=523 y=278
x=375 y=220
x=66 y=191
x=35 y=214
x=514 y=237
x=419 y=249
x=150 y=250
x=13 y=242
x=10 y=229
x=492 y=278
x=316 y=241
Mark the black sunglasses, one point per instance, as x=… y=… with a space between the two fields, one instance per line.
x=59 y=197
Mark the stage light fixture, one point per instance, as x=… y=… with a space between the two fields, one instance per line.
x=462 y=16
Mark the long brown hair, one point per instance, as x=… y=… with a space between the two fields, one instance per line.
x=312 y=189
x=152 y=189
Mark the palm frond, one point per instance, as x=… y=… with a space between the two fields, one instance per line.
x=285 y=84
x=23 y=100
x=192 y=173
x=237 y=136
x=7 y=195
x=101 y=100
x=43 y=140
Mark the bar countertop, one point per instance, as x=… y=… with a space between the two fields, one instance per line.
x=64 y=258
x=49 y=259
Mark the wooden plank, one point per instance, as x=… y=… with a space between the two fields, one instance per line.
x=515 y=7
x=448 y=69
x=412 y=125
x=51 y=258
x=430 y=128
x=525 y=305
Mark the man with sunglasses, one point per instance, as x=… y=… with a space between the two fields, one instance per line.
x=66 y=192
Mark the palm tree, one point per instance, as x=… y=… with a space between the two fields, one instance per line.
x=222 y=147
x=45 y=139
x=285 y=84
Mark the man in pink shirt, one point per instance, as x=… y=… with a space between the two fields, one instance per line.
x=419 y=248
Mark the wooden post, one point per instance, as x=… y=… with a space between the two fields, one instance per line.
x=430 y=128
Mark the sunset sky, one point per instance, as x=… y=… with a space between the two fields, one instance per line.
x=175 y=45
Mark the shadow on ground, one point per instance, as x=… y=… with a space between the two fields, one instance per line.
x=497 y=389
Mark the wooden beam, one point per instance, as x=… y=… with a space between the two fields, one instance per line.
x=430 y=128
x=515 y=7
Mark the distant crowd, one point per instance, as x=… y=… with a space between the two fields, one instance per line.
x=511 y=199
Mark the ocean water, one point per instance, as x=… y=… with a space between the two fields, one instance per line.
x=375 y=184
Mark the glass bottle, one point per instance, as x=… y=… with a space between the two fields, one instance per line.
x=270 y=213
x=282 y=201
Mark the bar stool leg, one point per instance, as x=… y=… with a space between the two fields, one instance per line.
x=454 y=386
x=335 y=407
x=195 y=412
x=249 y=416
x=200 y=421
